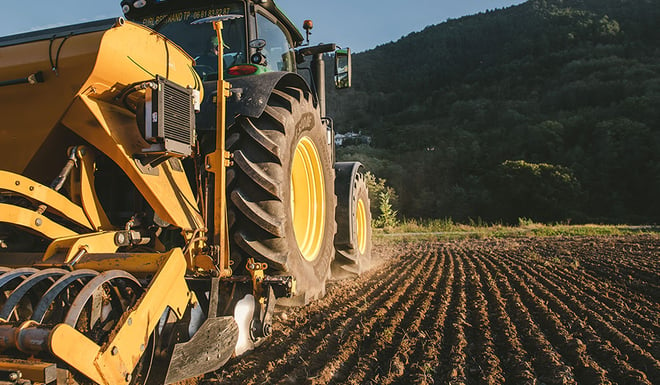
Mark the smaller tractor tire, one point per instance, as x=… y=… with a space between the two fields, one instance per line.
x=354 y=258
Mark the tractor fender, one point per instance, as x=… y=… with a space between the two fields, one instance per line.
x=249 y=96
x=345 y=174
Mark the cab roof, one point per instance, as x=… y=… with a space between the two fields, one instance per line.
x=161 y=7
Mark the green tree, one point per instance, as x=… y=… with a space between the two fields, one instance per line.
x=552 y=82
x=542 y=192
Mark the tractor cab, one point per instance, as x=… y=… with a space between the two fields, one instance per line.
x=257 y=36
x=257 y=39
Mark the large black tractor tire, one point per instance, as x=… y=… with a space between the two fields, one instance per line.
x=280 y=192
x=353 y=259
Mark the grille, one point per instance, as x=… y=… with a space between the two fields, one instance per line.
x=178 y=113
x=170 y=119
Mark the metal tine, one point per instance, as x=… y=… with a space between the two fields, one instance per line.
x=12 y=274
x=90 y=288
x=77 y=276
x=25 y=287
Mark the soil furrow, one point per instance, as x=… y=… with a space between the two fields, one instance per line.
x=555 y=310
x=565 y=260
x=360 y=320
x=623 y=327
x=572 y=350
x=599 y=295
x=313 y=327
x=452 y=352
x=515 y=359
x=426 y=349
x=640 y=360
x=484 y=365
x=602 y=350
x=547 y=362
x=389 y=352
x=347 y=353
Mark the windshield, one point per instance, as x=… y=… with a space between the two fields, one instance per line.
x=200 y=40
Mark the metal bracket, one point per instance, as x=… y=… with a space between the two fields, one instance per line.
x=262 y=322
x=266 y=292
x=256 y=270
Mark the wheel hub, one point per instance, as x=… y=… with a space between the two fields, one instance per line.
x=361 y=224
x=308 y=199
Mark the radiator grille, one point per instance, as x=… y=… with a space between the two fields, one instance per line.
x=169 y=119
x=178 y=110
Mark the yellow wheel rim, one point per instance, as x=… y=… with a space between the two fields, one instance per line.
x=307 y=199
x=361 y=224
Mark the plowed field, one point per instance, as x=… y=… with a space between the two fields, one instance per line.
x=515 y=311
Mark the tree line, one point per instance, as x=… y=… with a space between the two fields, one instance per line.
x=549 y=110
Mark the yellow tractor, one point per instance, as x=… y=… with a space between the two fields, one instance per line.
x=166 y=179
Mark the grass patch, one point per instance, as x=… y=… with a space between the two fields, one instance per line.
x=447 y=229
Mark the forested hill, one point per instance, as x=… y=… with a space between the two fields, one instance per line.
x=549 y=110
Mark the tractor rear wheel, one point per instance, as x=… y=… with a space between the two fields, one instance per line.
x=280 y=191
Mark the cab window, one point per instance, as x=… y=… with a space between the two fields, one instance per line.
x=278 y=50
x=200 y=40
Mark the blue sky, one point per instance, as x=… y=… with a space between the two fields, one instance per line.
x=359 y=24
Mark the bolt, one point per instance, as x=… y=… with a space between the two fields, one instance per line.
x=142 y=347
x=208 y=166
x=114 y=351
x=38 y=221
x=31 y=188
x=120 y=239
x=18 y=183
x=130 y=321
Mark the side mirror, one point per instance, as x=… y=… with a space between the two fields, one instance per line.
x=343 y=70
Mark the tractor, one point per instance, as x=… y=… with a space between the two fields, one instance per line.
x=167 y=182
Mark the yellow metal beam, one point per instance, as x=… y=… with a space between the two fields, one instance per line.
x=217 y=161
x=136 y=264
x=77 y=350
x=84 y=182
x=34 y=221
x=43 y=194
x=114 y=362
x=69 y=246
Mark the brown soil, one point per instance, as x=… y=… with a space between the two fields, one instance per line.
x=514 y=311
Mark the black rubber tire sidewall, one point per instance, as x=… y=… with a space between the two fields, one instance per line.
x=350 y=261
x=263 y=151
